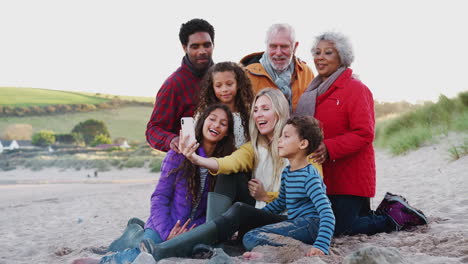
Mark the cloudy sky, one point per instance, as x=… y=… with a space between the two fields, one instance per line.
x=405 y=50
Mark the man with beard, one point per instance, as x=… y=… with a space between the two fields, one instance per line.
x=178 y=96
x=277 y=66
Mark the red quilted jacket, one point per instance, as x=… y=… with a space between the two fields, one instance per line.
x=346 y=112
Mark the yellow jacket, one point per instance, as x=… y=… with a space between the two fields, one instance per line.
x=260 y=79
x=242 y=160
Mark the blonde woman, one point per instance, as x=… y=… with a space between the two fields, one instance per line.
x=270 y=110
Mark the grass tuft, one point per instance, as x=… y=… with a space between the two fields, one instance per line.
x=456 y=152
x=410 y=139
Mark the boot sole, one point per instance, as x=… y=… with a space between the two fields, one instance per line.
x=145 y=246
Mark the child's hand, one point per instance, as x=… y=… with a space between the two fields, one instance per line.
x=250 y=255
x=314 y=252
x=320 y=154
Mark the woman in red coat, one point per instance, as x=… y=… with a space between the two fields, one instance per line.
x=345 y=108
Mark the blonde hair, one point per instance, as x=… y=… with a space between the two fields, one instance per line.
x=281 y=107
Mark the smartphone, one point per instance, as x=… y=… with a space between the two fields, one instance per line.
x=188 y=128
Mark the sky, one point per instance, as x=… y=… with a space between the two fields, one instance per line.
x=404 y=50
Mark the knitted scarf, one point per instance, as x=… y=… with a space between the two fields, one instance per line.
x=198 y=73
x=281 y=79
x=308 y=100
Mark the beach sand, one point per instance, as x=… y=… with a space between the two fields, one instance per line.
x=54 y=216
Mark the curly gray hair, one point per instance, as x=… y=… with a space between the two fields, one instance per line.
x=342 y=45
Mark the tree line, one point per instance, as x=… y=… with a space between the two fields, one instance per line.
x=90 y=133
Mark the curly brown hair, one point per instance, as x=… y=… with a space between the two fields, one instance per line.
x=223 y=148
x=244 y=96
x=307 y=128
x=193 y=26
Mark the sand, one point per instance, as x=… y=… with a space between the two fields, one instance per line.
x=54 y=216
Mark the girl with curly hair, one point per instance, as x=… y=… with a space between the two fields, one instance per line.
x=227 y=83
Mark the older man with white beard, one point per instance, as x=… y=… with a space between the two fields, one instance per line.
x=278 y=67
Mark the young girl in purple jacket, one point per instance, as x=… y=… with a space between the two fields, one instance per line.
x=178 y=203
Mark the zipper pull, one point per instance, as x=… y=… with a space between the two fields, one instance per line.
x=337 y=101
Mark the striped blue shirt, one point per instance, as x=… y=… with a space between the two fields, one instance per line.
x=303 y=194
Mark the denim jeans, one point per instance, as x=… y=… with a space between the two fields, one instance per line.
x=129 y=255
x=354 y=216
x=304 y=229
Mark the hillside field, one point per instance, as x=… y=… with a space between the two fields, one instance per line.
x=144 y=99
x=129 y=122
x=13 y=96
x=17 y=97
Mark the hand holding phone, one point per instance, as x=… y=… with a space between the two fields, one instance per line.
x=188 y=128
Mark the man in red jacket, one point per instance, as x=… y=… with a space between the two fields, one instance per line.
x=178 y=96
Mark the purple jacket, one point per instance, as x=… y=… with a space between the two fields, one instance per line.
x=171 y=200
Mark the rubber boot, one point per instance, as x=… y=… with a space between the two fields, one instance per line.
x=217 y=205
x=137 y=221
x=131 y=236
x=182 y=245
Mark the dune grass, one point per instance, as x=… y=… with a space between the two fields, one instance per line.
x=129 y=122
x=459 y=151
x=412 y=129
x=15 y=97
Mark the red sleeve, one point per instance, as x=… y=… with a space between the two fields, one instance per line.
x=360 y=110
x=164 y=124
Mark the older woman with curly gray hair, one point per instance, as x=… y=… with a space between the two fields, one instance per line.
x=345 y=108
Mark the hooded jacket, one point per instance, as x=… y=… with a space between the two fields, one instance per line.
x=260 y=79
x=171 y=200
x=346 y=113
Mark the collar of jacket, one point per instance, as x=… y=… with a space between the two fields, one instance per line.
x=256 y=68
x=201 y=152
x=344 y=78
x=196 y=72
x=340 y=83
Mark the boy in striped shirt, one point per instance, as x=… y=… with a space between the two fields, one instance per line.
x=302 y=194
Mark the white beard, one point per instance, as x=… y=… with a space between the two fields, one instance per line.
x=280 y=68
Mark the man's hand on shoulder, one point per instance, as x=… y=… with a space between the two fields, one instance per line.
x=174 y=145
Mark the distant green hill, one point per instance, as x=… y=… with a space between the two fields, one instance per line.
x=123 y=119
x=18 y=97
x=13 y=96
x=129 y=122
x=144 y=99
x=23 y=102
